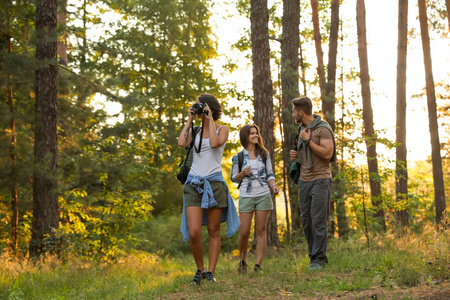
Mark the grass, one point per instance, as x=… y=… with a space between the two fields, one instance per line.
x=411 y=266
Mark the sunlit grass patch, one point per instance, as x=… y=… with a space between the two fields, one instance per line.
x=391 y=262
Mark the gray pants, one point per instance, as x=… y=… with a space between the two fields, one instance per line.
x=314 y=198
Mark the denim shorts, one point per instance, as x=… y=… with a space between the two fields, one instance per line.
x=193 y=198
x=249 y=204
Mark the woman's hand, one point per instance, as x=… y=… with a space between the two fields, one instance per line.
x=274 y=189
x=247 y=171
x=207 y=112
x=191 y=115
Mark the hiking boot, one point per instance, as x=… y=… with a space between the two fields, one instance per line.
x=315 y=267
x=198 y=277
x=257 y=269
x=210 y=277
x=242 y=267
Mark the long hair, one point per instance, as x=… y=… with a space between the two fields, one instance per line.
x=244 y=133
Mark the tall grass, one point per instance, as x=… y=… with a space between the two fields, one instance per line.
x=392 y=265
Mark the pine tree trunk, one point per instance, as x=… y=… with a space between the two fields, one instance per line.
x=439 y=190
x=262 y=91
x=13 y=149
x=401 y=171
x=369 y=132
x=318 y=43
x=303 y=68
x=62 y=41
x=286 y=183
x=329 y=97
x=328 y=107
x=45 y=178
x=289 y=85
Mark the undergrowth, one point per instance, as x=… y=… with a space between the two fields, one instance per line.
x=391 y=262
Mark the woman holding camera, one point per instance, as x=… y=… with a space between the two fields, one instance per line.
x=252 y=168
x=206 y=198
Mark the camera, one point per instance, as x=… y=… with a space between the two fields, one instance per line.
x=198 y=108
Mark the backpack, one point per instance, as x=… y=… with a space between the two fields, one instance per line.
x=241 y=162
x=186 y=163
x=295 y=170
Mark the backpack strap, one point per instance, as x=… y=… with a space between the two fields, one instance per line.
x=296 y=138
x=240 y=163
x=240 y=160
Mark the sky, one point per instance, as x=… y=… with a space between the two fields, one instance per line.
x=381 y=23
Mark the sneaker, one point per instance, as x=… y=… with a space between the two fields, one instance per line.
x=257 y=269
x=242 y=267
x=315 y=266
x=210 y=277
x=198 y=277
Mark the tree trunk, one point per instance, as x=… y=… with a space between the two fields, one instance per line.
x=329 y=99
x=340 y=207
x=13 y=149
x=369 y=132
x=303 y=68
x=289 y=85
x=62 y=41
x=328 y=108
x=262 y=91
x=401 y=171
x=286 y=183
x=318 y=43
x=439 y=191
x=45 y=184
x=328 y=96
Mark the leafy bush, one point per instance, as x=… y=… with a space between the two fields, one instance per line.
x=162 y=235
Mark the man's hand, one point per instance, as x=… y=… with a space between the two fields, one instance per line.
x=305 y=134
x=293 y=154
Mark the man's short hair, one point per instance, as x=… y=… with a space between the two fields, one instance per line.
x=304 y=104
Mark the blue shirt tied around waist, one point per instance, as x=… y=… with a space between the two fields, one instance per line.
x=229 y=214
x=265 y=172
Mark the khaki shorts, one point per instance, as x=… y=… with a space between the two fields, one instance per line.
x=193 y=198
x=249 y=204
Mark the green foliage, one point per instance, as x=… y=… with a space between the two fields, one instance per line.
x=113 y=192
x=16 y=73
x=151 y=57
x=162 y=235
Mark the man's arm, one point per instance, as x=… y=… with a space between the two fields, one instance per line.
x=324 y=150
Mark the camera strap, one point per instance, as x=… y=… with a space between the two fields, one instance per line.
x=201 y=137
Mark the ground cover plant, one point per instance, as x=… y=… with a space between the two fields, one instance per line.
x=407 y=266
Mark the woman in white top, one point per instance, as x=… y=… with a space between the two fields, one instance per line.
x=206 y=198
x=257 y=181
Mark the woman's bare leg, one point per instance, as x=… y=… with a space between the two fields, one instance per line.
x=244 y=233
x=194 y=216
x=261 y=218
x=215 y=242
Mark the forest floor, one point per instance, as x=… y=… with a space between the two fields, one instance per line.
x=413 y=266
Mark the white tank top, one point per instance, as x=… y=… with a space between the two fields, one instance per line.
x=256 y=189
x=209 y=160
